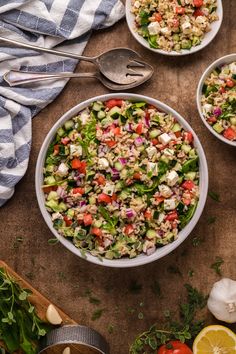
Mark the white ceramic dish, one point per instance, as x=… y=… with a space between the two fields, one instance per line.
x=141 y=259
x=215 y=26
x=223 y=60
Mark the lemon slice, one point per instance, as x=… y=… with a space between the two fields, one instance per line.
x=215 y=340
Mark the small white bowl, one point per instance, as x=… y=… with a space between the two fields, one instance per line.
x=141 y=259
x=208 y=37
x=223 y=60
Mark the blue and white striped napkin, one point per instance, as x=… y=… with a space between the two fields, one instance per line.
x=66 y=24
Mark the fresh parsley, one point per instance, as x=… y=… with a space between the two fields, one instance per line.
x=216 y=266
x=214 y=196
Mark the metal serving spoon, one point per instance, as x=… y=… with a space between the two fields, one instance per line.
x=118 y=65
x=16 y=78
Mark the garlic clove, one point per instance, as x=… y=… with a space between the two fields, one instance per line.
x=66 y=350
x=53 y=316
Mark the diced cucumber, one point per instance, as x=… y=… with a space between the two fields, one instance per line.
x=124 y=195
x=49 y=168
x=190 y=175
x=119 y=185
x=186 y=44
x=69 y=124
x=218 y=128
x=97 y=223
x=176 y=128
x=60 y=131
x=154 y=133
x=98 y=106
x=186 y=148
x=49 y=180
x=233 y=120
x=70 y=213
x=164 y=159
x=92 y=200
x=192 y=153
x=177 y=47
x=152 y=40
x=151 y=234
x=62 y=207
x=52 y=195
x=196 y=41
x=175 y=37
x=101 y=114
x=52 y=204
x=115 y=112
x=169 y=237
x=106 y=121
x=118 y=166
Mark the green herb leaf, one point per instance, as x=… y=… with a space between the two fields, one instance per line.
x=217 y=265
x=97 y=314
x=214 y=196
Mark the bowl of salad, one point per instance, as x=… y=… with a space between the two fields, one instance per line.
x=121 y=179
x=178 y=27
x=216 y=98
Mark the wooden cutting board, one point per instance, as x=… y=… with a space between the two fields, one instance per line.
x=38 y=300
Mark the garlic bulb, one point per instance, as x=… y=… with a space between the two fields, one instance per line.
x=222 y=300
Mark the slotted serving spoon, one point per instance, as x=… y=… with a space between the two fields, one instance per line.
x=117 y=65
x=16 y=78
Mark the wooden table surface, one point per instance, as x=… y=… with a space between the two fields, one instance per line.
x=71 y=282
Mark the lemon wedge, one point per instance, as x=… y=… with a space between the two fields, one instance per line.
x=215 y=339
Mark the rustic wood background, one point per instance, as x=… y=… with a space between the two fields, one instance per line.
x=70 y=281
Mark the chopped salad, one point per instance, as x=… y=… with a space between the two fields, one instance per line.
x=174 y=25
x=219 y=100
x=121 y=178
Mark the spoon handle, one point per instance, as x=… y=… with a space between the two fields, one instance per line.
x=16 y=78
x=47 y=50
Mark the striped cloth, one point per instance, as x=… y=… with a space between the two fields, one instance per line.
x=66 y=24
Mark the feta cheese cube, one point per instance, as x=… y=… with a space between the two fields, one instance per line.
x=103 y=163
x=109 y=189
x=152 y=167
x=84 y=115
x=168 y=152
x=151 y=151
x=76 y=150
x=169 y=204
x=232 y=67
x=161 y=218
x=201 y=20
x=172 y=178
x=207 y=108
x=154 y=28
x=164 y=138
x=137 y=4
x=166 y=31
x=165 y=190
x=186 y=27
x=62 y=169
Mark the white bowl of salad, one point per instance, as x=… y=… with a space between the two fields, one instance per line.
x=121 y=179
x=216 y=98
x=175 y=28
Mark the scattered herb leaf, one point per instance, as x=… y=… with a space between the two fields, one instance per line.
x=196 y=241
x=135 y=287
x=190 y=273
x=211 y=220
x=214 y=196
x=110 y=328
x=94 y=300
x=53 y=241
x=173 y=269
x=97 y=314
x=217 y=265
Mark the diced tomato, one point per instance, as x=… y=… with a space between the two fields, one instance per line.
x=230 y=133
x=189 y=185
x=148 y=214
x=113 y=103
x=128 y=229
x=198 y=12
x=137 y=175
x=197 y=3
x=96 y=231
x=155 y=142
x=65 y=140
x=75 y=164
x=212 y=119
x=56 y=150
x=48 y=189
x=172 y=216
x=222 y=89
x=88 y=219
x=78 y=190
x=116 y=131
x=186 y=201
x=180 y=10
x=188 y=137
x=104 y=198
x=110 y=143
x=139 y=128
x=67 y=221
x=114 y=197
x=157 y=17
x=82 y=168
x=101 y=180
x=230 y=83
x=159 y=199
x=178 y=134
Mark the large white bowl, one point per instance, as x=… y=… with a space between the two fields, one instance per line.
x=223 y=60
x=208 y=37
x=141 y=259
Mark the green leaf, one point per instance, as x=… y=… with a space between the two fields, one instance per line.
x=190 y=165
x=216 y=266
x=214 y=196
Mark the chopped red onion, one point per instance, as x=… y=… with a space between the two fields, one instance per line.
x=61 y=192
x=115 y=174
x=147 y=120
x=82 y=203
x=217 y=111
x=130 y=213
x=138 y=141
x=128 y=127
x=123 y=161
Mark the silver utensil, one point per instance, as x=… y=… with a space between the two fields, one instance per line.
x=16 y=78
x=118 y=65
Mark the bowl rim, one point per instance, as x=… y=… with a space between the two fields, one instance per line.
x=210 y=35
x=222 y=60
x=140 y=259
